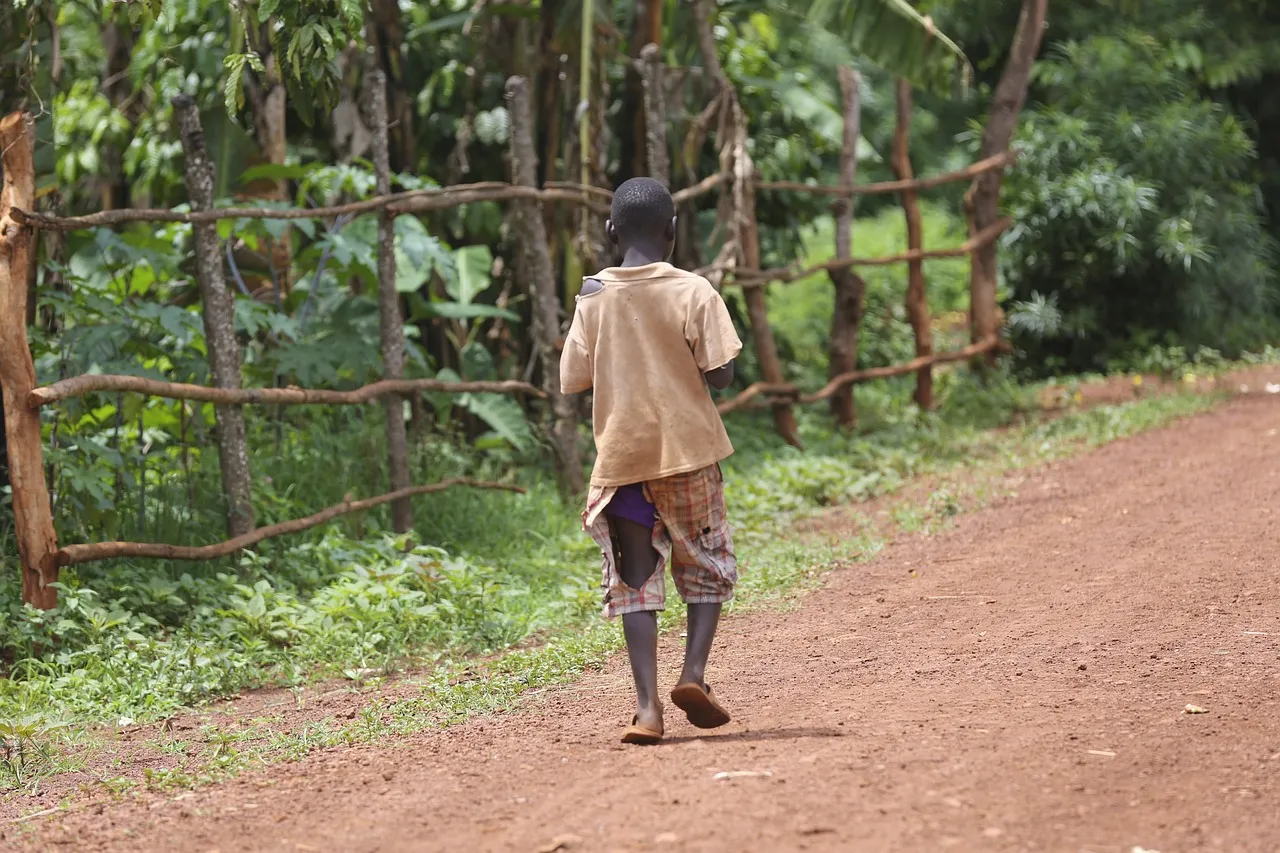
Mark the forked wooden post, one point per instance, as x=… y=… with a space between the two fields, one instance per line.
x=33 y=516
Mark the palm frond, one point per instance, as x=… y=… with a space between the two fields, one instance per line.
x=891 y=34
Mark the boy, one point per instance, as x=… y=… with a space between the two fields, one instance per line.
x=649 y=339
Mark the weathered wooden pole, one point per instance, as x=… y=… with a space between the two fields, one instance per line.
x=983 y=199
x=392 y=323
x=849 y=286
x=738 y=210
x=33 y=516
x=537 y=276
x=757 y=298
x=655 y=114
x=917 y=299
x=219 y=320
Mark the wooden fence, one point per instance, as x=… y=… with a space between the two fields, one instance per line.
x=737 y=266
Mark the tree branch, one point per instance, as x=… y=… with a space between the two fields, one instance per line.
x=73 y=554
x=969 y=172
x=760 y=278
x=78 y=386
x=791 y=393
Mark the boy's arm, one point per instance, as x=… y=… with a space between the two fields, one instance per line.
x=714 y=341
x=720 y=378
x=576 y=371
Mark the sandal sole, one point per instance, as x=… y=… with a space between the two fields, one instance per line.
x=703 y=711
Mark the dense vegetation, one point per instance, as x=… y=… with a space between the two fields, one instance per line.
x=1145 y=237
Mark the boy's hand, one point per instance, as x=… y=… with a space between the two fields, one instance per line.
x=720 y=378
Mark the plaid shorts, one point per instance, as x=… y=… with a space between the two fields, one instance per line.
x=691 y=536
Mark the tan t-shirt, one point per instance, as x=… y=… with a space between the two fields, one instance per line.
x=643 y=342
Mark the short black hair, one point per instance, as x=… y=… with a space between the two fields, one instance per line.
x=642 y=209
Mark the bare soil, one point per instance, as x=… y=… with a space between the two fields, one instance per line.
x=1018 y=682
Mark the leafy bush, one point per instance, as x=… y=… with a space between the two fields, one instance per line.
x=1136 y=224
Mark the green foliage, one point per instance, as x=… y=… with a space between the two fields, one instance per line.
x=27 y=751
x=305 y=38
x=235 y=64
x=1218 y=45
x=800 y=312
x=1134 y=217
x=894 y=35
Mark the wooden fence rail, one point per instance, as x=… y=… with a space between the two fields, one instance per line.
x=72 y=554
x=792 y=393
x=90 y=383
x=440 y=198
x=786 y=275
x=968 y=173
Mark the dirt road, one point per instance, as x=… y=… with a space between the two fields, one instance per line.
x=1025 y=691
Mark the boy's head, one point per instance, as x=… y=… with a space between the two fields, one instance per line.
x=643 y=217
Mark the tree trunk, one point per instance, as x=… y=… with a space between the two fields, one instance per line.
x=849 y=287
x=550 y=88
x=538 y=278
x=703 y=15
x=655 y=114
x=117 y=40
x=392 y=324
x=219 y=321
x=983 y=199
x=24 y=451
x=636 y=139
x=385 y=32
x=917 y=299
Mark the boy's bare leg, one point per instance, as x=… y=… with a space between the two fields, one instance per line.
x=637 y=561
x=703 y=619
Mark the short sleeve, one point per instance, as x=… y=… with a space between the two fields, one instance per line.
x=709 y=330
x=576 y=372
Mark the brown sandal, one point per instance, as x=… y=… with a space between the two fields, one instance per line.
x=640 y=735
x=699 y=705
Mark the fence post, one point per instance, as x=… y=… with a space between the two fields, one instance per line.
x=219 y=320
x=983 y=199
x=538 y=279
x=33 y=517
x=917 y=298
x=392 y=324
x=655 y=114
x=849 y=286
x=757 y=298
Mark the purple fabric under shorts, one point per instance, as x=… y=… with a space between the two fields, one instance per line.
x=630 y=503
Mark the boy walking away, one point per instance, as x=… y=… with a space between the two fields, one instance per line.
x=648 y=339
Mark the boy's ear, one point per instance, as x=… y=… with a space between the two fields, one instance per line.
x=610 y=233
x=671 y=228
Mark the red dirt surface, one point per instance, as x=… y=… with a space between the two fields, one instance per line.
x=1026 y=690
